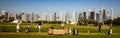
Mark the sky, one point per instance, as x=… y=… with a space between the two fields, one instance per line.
x=51 y=6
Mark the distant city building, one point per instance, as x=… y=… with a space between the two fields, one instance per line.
x=84 y=15
x=51 y=17
x=29 y=17
x=111 y=13
x=24 y=17
x=3 y=12
x=73 y=17
x=19 y=15
x=76 y=17
x=34 y=17
x=62 y=16
x=55 y=17
x=80 y=16
x=43 y=17
x=98 y=18
x=68 y=16
x=92 y=15
x=9 y=16
x=103 y=12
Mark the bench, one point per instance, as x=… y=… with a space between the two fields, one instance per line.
x=57 y=31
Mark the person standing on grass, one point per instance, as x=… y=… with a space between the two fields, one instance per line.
x=27 y=29
x=70 y=30
x=39 y=26
x=18 y=27
x=110 y=29
x=100 y=27
x=62 y=25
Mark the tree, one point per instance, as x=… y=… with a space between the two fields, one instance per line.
x=2 y=17
x=116 y=21
x=108 y=21
x=79 y=22
x=69 y=22
x=28 y=21
x=11 y=19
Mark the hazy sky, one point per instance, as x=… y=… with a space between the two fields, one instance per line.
x=58 y=6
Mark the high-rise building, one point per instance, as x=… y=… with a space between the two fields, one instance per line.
x=76 y=16
x=55 y=17
x=80 y=16
x=24 y=17
x=73 y=17
x=19 y=15
x=103 y=12
x=44 y=16
x=60 y=16
x=63 y=16
x=50 y=17
x=111 y=13
x=9 y=16
x=3 y=12
x=84 y=15
x=98 y=18
x=68 y=16
x=34 y=17
x=29 y=17
x=88 y=14
x=92 y=15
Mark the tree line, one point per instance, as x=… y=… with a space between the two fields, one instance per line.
x=115 y=22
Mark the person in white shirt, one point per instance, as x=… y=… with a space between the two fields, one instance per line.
x=39 y=27
x=70 y=30
x=62 y=25
x=27 y=29
x=110 y=29
x=18 y=27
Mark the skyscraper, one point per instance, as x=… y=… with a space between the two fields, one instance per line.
x=55 y=16
x=76 y=16
x=103 y=12
x=3 y=12
x=111 y=13
x=34 y=17
x=29 y=17
x=92 y=15
x=80 y=16
x=98 y=19
x=24 y=16
x=69 y=16
x=43 y=17
x=7 y=16
x=84 y=15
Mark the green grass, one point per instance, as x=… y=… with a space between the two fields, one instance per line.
x=9 y=27
x=40 y=35
x=9 y=30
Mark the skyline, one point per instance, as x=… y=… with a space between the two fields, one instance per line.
x=51 y=6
